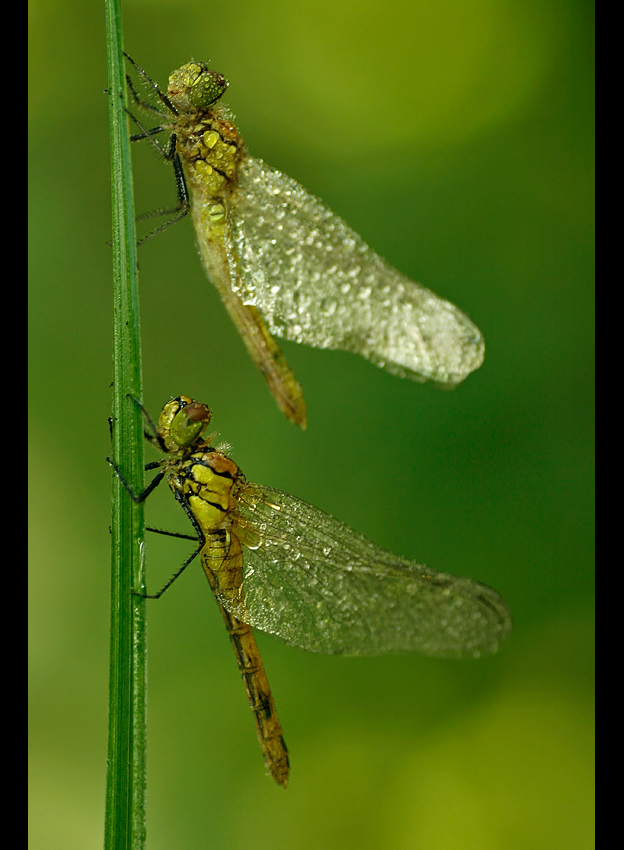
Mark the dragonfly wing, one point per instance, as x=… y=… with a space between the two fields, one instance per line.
x=317 y=584
x=264 y=352
x=317 y=282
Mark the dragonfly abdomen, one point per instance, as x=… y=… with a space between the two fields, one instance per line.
x=260 y=697
x=222 y=560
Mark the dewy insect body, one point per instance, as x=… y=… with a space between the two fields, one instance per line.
x=285 y=265
x=280 y=565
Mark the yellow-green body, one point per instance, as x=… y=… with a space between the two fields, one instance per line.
x=211 y=150
x=207 y=482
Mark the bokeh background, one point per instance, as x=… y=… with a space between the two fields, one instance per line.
x=457 y=139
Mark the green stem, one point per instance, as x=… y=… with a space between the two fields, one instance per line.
x=126 y=786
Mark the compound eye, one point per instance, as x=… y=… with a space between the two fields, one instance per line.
x=207 y=89
x=189 y=422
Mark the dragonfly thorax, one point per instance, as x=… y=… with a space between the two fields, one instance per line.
x=207 y=482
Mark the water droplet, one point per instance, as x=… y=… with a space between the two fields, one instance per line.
x=210 y=138
x=215 y=212
x=328 y=306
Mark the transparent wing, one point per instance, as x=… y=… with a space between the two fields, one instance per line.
x=317 y=282
x=317 y=584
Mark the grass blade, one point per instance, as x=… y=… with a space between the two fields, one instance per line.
x=126 y=782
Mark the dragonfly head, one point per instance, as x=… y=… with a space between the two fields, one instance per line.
x=195 y=87
x=182 y=422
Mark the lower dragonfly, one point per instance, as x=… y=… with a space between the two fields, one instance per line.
x=284 y=264
x=280 y=565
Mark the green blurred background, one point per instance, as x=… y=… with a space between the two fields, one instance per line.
x=457 y=139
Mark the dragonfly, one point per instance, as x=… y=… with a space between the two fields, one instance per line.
x=284 y=264
x=280 y=565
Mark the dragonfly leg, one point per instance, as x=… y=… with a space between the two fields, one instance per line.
x=139 y=100
x=183 y=206
x=153 y=85
x=152 y=436
x=176 y=575
x=136 y=137
x=147 y=133
x=169 y=154
x=170 y=533
x=200 y=538
x=137 y=497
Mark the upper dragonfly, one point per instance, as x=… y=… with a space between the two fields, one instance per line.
x=286 y=265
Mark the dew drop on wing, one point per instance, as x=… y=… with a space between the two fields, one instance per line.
x=381 y=314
